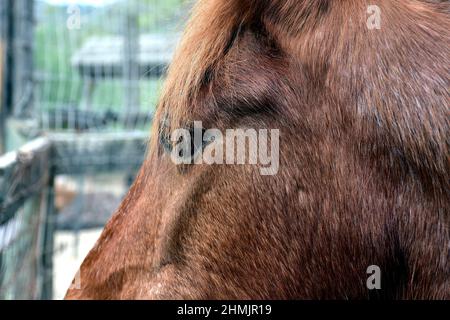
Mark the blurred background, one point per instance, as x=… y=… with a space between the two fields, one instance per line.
x=79 y=82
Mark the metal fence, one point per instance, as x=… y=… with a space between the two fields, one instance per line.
x=85 y=75
x=99 y=68
x=26 y=222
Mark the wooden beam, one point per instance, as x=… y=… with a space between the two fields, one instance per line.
x=93 y=153
x=27 y=172
x=23 y=174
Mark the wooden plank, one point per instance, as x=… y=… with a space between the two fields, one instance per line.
x=28 y=171
x=93 y=153
x=103 y=57
x=23 y=174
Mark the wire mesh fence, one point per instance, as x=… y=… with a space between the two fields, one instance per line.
x=23 y=274
x=86 y=75
x=25 y=221
x=99 y=68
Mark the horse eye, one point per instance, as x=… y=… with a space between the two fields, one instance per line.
x=197 y=143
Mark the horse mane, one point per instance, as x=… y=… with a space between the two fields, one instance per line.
x=206 y=36
x=392 y=78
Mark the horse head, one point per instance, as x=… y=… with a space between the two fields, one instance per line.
x=360 y=108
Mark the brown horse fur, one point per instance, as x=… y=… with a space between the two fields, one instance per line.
x=364 y=160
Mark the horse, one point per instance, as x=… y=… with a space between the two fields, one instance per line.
x=359 y=93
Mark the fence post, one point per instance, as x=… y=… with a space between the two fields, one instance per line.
x=49 y=232
x=131 y=50
x=2 y=104
x=22 y=51
x=4 y=21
